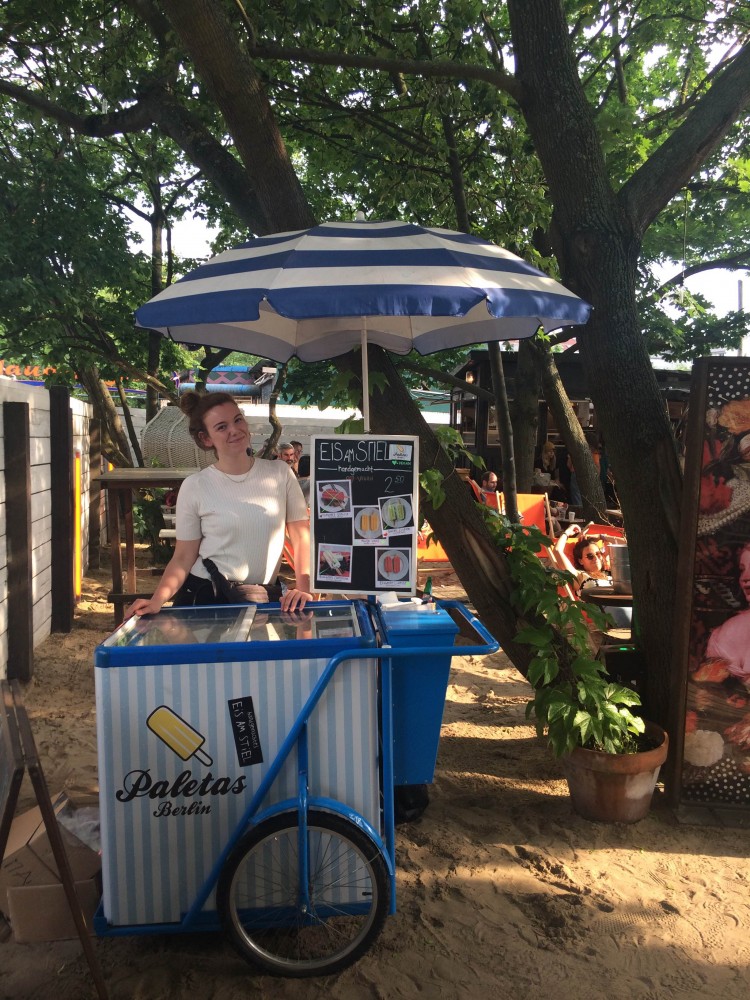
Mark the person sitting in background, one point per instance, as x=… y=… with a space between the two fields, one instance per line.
x=298 y=449
x=589 y=568
x=587 y=565
x=547 y=474
x=287 y=454
x=489 y=486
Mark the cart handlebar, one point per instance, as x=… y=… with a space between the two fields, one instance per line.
x=491 y=645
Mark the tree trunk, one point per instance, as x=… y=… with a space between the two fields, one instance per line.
x=238 y=91
x=114 y=441
x=135 y=446
x=276 y=425
x=458 y=522
x=587 y=474
x=157 y=284
x=596 y=240
x=524 y=412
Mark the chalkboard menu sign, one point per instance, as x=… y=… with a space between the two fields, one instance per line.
x=364 y=513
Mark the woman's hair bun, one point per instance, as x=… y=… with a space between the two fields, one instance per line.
x=189 y=401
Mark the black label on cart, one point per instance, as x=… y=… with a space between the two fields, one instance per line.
x=245 y=731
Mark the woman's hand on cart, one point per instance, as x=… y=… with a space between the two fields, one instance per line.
x=143 y=606
x=295 y=599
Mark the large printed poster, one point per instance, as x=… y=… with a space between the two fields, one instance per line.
x=715 y=700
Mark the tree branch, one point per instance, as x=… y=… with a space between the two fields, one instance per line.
x=733 y=262
x=440 y=376
x=671 y=166
x=217 y=164
x=233 y=82
x=157 y=106
x=133 y=119
x=415 y=67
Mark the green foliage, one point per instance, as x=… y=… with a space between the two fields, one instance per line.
x=574 y=702
x=351 y=425
x=393 y=144
x=431 y=480
x=148 y=521
x=384 y=142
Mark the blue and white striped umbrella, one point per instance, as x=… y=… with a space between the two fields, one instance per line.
x=317 y=293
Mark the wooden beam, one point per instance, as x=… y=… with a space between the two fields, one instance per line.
x=18 y=537
x=61 y=468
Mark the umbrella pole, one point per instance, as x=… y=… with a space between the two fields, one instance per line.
x=365 y=379
x=505 y=432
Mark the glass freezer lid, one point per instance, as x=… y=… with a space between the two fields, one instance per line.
x=311 y=623
x=178 y=626
x=232 y=623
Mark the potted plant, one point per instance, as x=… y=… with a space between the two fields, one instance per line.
x=611 y=757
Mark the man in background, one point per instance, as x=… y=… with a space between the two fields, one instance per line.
x=287 y=454
x=489 y=483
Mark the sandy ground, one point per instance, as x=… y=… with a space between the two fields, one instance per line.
x=502 y=890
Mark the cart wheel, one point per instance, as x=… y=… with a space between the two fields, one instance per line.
x=258 y=896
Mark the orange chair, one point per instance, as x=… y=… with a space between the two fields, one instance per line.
x=477 y=492
x=493 y=500
x=531 y=507
x=428 y=549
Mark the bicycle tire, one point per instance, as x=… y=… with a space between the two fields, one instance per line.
x=257 y=896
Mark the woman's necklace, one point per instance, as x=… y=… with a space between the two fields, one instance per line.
x=235 y=477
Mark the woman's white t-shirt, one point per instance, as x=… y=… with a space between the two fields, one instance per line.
x=240 y=519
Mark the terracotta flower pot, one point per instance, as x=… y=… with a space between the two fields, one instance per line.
x=615 y=788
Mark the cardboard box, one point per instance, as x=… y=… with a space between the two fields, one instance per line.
x=31 y=893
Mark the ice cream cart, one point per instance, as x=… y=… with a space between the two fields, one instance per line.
x=246 y=770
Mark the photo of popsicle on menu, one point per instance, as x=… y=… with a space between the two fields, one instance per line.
x=368 y=528
x=335 y=563
x=335 y=499
x=392 y=566
x=397 y=514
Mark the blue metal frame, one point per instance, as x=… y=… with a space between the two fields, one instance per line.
x=194 y=919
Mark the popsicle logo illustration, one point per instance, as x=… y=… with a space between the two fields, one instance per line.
x=400 y=452
x=179 y=735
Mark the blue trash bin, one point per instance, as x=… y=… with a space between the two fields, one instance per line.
x=419 y=685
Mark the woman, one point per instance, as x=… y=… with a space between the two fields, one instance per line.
x=588 y=567
x=547 y=474
x=232 y=514
x=588 y=559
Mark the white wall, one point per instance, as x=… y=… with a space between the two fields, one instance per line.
x=298 y=424
x=41 y=503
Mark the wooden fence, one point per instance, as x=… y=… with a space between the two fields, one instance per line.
x=45 y=450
